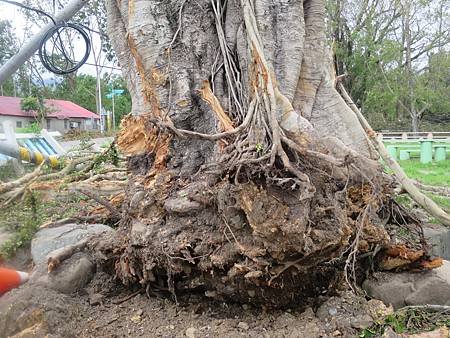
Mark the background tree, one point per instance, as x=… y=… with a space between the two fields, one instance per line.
x=7 y=49
x=36 y=105
x=9 y=45
x=384 y=44
x=83 y=91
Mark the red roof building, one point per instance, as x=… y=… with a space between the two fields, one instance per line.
x=61 y=116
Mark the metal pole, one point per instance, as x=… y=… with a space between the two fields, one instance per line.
x=99 y=104
x=32 y=46
x=113 y=113
x=11 y=148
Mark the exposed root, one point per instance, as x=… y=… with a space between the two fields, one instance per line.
x=301 y=210
x=101 y=201
x=58 y=256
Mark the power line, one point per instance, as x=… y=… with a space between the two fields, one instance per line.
x=97 y=65
x=15 y=3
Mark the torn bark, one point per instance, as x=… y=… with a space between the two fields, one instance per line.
x=278 y=214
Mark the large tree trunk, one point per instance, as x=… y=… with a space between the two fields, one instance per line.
x=251 y=175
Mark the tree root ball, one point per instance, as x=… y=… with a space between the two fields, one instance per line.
x=248 y=243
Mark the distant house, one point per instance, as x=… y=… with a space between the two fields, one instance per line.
x=62 y=115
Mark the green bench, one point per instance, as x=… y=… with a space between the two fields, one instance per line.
x=425 y=151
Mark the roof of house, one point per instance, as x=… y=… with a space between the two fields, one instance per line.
x=59 y=109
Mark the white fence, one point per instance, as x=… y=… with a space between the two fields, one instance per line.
x=414 y=136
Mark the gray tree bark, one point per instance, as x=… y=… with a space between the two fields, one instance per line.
x=242 y=151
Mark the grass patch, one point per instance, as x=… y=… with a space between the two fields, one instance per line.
x=409 y=320
x=436 y=173
x=7 y=172
x=24 y=219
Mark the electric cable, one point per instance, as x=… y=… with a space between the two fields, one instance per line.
x=54 y=55
x=61 y=63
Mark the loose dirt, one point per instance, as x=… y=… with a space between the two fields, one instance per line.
x=106 y=309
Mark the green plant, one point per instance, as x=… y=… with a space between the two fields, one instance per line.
x=34 y=128
x=24 y=218
x=7 y=172
x=111 y=155
x=30 y=221
x=34 y=104
x=259 y=148
x=408 y=320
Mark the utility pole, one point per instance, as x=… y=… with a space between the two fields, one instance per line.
x=111 y=96
x=32 y=46
x=113 y=113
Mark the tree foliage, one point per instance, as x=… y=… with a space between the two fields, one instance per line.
x=370 y=40
x=395 y=54
x=34 y=104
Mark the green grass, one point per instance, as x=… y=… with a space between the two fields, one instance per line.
x=7 y=172
x=23 y=219
x=436 y=173
x=408 y=320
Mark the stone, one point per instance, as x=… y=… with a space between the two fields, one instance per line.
x=191 y=332
x=71 y=276
x=96 y=299
x=136 y=319
x=332 y=311
x=182 y=205
x=378 y=310
x=390 y=333
x=243 y=325
x=439 y=239
x=408 y=288
x=50 y=239
x=442 y=332
x=361 y=322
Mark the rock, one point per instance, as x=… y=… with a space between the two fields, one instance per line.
x=442 y=332
x=48 y=240
x=390 y=333
x=96 y=299
x=361 y=322
x=191 y=332
x=378 y=310
x=243 y=326
x=71 y=276
x=182 y=205
x=136 y=319
x=407 y=288
x=439 y=239
x=332 y=311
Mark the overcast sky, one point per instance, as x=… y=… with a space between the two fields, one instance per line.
x=14 y=14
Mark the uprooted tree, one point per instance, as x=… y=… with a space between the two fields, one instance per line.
x=252 y=177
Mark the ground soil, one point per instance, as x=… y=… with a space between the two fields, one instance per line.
x=106 y=309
